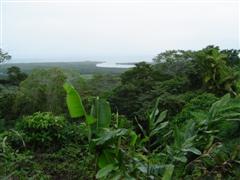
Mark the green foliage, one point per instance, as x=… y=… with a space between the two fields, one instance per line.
x=219 y=160
x=168 y=172
x=133 y=83
x=175 y=77
x=216 y=75
x=41 y=91
x=15 y=76
x=74 y=102
x=104 y=142
x=42 y=130
x=70 y=162
x=102 y=113
x=197 y=106
x=6 y=108
x=169 y=121
x=14 y=164
x=102 y=84
x=225 y=115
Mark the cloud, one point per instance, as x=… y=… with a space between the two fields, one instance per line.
x=116 y=30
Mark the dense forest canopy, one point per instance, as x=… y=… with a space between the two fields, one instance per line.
x=175 y=118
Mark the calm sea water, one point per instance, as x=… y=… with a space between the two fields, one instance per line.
x=114 y=65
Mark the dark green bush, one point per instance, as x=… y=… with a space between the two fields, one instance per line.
x=70 y=162
x=42 y=130
x=16 y=162
x=195 y=107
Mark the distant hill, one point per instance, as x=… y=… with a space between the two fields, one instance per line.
x=85 y=67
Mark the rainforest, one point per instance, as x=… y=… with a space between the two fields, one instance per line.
x=177 y=117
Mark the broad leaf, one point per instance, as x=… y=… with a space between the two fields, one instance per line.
x=106 y=158
x=134 y=137
x=158 y=128
x=104 y=172
x=102 y=112
x=193 y=150
x=168 y=172
x=161 y=117
x=74 y=102
x=218 y=105
x=180 y=158
x=90 y=120
x=108 y=135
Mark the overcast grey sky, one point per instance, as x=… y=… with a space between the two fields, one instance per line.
x=115 y=30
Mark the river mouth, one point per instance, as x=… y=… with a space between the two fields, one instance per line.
x=115 y=65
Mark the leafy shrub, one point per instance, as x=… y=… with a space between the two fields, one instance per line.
x=219 y=160
x=15 y=164
x=70 y=162
x=41 y=91
x=74 y=133
x=7 y=98
x=15 y=76
x=196 y=106
x=42 y=130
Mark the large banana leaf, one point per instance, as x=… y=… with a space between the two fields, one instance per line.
x=102 y=112
x=74 y=102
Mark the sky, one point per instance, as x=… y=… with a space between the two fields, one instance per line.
x=122 y=31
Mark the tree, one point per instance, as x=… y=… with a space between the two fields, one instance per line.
x=102 y=84
x=41 y=91
x=135 y=82
x=216 y=75
x=209 y=68
x=174 y=62
x=232 y=56
x=4 y=56
x=15 y=76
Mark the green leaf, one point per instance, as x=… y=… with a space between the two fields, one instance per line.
x=134 y=137
x=90 y=120
x=193 y=150
x=157 y=129
x=143 y=168
x=153 y=115
x=106 y=158
x=180 y=158
x=102 y=112
x=74 y=102
x=108 y=134
x=141 y=128
x=161 y=117
x=104 y=172
x=143 y=157
x=168 y=172
x=155 y=111
x=218 y=105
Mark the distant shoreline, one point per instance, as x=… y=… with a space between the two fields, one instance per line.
x=84 y=67
x=52 y=62
x=115 y=65
x=98 y=64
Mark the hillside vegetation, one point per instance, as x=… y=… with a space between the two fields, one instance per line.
x=176 y=118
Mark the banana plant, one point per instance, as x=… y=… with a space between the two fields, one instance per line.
x=115 y=147
x=104 y=141
x=99 y=117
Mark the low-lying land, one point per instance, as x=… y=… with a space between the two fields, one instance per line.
x=85 y=67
